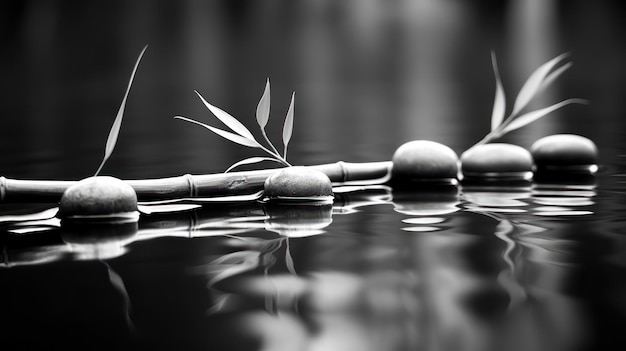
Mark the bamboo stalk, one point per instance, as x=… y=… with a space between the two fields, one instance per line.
x=207 y=185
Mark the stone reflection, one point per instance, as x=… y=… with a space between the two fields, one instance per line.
x=350 y=296
x=429 y=207
x=40 y=238
x=78 y=241
x=290 y=221
x=497 y=198
x=298 y=220
x=483 y=273
x=379 y=291
x=447 y=289
x=564 y=199
x=98 y=241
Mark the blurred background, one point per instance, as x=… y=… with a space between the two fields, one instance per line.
x=369 y=75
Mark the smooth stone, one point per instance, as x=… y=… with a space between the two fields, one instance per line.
x=101 y=197
x=298 y=183
x=424 y=160
x=497 y=161
x=563 y=152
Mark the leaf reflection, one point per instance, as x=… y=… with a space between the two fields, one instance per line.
x=499 y=203
x=289 y=221
x=118 y=283
x=524 y=240
x=259 y=254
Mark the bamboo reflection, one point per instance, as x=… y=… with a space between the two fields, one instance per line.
x=43 y=235
x=320 y=308
x=444 y=288
x=422 y=304
x=351 y=199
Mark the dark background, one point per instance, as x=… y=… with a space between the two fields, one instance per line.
x=368 y=75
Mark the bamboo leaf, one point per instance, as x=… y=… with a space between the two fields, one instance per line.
x=288 y=126
x=224 y=134
x=249 y=161
x=263 y=114
x=263 y=108
x=534 y=83
x=227 y=119
x=117 y=124
x=499 y=101
x=555 y=74
x=535 y=115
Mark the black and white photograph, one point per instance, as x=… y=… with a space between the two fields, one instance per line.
x=313 y=175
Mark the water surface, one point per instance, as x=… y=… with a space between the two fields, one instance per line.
x=537 y=267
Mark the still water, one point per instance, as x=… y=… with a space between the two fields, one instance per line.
x=535 y=267
x=529 y=268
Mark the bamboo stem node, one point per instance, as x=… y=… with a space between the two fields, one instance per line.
x=3 y=185
x=344 y=171
x=193 y=190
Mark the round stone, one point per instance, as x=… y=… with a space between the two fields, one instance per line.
x=424 y=160
x=299 y=184
x=497 y=161
x=98 y=197
x=565 y=152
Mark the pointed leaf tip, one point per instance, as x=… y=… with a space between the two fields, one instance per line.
x=224 y=134
x=534 y=83
x=288 y=126
x=499 y=101
x=555 y=74
x=263 y=108
x=532 y=116
x=117 y=124
x=227 y=119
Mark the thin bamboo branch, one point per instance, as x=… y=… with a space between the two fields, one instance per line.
x=207 y=185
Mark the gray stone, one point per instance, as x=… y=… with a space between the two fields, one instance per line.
x=298 y=183
x=101 y=196
x=496 y=160
x=424 y=160
x=564 y=150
